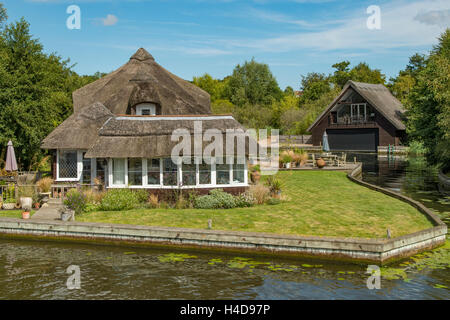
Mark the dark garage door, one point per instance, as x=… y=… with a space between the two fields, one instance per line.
x=353 y=139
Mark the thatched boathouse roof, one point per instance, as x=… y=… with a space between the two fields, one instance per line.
x=378 y=96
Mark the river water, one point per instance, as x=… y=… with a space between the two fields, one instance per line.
x=38 y=270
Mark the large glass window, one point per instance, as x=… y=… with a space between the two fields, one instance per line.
x=204 y=173
x=169 y=172
x=118 y=171
x=135 y=171
x=101 y=165
x=153 y=171
x=86 y=173
x=238 y=171
x=222 y=172
x=67 y=163
x=189 y=174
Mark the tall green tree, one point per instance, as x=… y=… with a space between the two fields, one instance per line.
x=35 y=92
x=429 y=114
x=314 y=85
x=252 y=83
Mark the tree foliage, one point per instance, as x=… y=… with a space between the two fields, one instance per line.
x=429 y=111
x=35 y=92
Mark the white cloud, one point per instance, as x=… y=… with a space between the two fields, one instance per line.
x=399 y=28
x=438 y=17
x=110 y=20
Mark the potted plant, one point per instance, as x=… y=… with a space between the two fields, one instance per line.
x=286 y=159
x=10 y=201
x=44 y=186
x=320 y=163
x=26 y=212
x=26 y=196
x=274 y=186
x=255 y=174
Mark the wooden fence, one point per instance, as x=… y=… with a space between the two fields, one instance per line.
x=295 y=140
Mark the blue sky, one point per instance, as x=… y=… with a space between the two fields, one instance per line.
x=189 y=38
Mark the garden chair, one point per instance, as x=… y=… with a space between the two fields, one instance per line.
x=341 y=161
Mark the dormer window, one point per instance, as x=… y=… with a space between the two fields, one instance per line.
x=146 y=109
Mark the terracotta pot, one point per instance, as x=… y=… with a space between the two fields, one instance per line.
x=25 y=215
x=37 y=205
x=320 y=163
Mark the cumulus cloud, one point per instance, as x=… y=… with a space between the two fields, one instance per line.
x=110 y=20
x=438 y=17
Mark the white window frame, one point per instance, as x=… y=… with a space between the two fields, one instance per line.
x=161 y=185
x=79 y=165
x=146 y=106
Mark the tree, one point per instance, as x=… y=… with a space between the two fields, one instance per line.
x=429 y=114
x=341 y=75
x=252 y=83
x=214 y=87
x=314 y=85
x=35 y=92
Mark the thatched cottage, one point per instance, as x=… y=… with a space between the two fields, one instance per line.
x=121 y=133
x=362 y=117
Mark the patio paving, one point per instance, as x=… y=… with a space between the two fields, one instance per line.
x=50 y=212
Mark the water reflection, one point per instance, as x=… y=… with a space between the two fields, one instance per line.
x=37 y=270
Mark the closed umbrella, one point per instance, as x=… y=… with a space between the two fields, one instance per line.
x=326 y=146
x=11 y=163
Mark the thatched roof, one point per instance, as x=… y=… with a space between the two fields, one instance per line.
x=378 y=96
x=141 y=79
x=79 y=131
x=147 y=137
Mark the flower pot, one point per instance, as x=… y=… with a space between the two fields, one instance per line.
x=320 y=163
x=37 y=205
x=45 y=196
x=288 y=165
x=25 y=215
x=26 y=202
x=9 y=206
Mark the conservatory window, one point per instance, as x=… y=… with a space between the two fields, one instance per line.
x=153 y=171
x=67 y=164
x=238 y=171
x=118 y=171
x=135 y=171
x=86 y=173
x=204 y=170
x=170 y=172
x=222 y=172
x=189 y=173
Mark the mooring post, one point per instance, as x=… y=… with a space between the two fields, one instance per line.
x=210 y=224
x=388 y=233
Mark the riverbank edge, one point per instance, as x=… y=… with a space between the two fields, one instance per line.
x=379 y=251
x=444 y=180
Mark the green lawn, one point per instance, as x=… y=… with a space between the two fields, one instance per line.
x=321 y=203
x=13 y=213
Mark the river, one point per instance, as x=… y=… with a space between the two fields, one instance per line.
x=38 y=270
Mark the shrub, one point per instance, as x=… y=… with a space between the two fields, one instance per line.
x=206 y=202
x=93 y=197
x=245 y=199
x=260 y=193
x=153 y=201
x=225 y=199
x=119 y=199
x=217 y=199
x=142 y=195
x=76 y=201
x=45 y=184
x=274 y=185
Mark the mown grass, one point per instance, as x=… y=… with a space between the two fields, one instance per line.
x=320 y=203
x=13 y=213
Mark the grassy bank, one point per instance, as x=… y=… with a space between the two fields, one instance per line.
x=13 y=213
x=320 y=203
